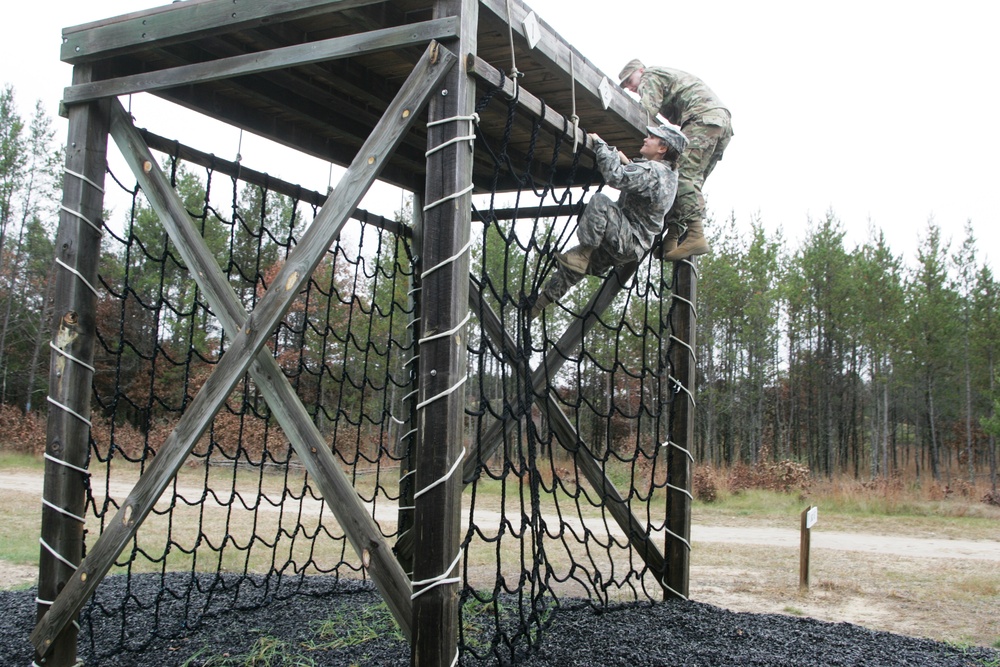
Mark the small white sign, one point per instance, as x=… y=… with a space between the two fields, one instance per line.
x=812 y=516
x=532 y=31
x=607 y=90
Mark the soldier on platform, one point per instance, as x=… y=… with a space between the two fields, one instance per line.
x=615 y=233
x=684 y=99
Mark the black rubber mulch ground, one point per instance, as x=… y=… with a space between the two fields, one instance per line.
x=640 y=635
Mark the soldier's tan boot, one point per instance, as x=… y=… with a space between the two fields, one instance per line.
x=669 y=242
x=538 y=306
x=694 y=243
x=577 y=259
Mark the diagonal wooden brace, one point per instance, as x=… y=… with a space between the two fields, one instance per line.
x=563 y=429
x=561 y=426
x=248 y=341
x=553 y=361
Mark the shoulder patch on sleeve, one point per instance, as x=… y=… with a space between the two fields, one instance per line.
x=632 y=167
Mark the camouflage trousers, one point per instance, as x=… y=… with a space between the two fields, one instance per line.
x=605 y=228
x=706 y=144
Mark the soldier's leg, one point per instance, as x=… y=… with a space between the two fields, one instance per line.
x=600 y=215
x=591 y=230
x=686 y=218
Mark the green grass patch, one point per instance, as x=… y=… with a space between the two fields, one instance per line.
x=22 y=526
x=14 y=462
x=267 y=651
x=354 y=627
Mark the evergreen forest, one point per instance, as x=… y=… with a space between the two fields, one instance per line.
x=848 y=359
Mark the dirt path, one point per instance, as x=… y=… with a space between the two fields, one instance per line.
x=915 y=547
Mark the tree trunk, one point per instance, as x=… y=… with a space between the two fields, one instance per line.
x=42 y=335
x=932 y=433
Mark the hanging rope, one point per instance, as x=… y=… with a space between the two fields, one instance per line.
x=515 y=75
x=572 y=88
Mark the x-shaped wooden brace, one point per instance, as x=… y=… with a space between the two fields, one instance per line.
x=249 y=334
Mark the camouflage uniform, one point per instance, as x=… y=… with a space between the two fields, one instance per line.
x=621 y=231
x=685 y=100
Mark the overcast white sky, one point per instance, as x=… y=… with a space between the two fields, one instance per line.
x=881 y=110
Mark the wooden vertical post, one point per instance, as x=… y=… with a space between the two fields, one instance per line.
x=684 y=372
x=408 y=435
x=804 y=538
x=443 y=366
x=78 y=248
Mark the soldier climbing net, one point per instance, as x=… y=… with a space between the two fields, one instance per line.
x=566 y=420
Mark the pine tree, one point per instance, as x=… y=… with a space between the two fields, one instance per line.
x=931 y=331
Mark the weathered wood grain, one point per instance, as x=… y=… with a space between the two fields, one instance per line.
x=185 y=20
x=442 y=363
x=684 y=322
x=265 y=61
x=78 y=245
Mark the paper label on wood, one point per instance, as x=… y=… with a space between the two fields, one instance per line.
x=607 y=90
x=812 y=516
x=532 y=31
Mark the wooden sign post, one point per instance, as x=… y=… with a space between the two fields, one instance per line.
x=809 y=517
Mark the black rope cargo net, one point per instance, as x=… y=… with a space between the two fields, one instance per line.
x=563 y=438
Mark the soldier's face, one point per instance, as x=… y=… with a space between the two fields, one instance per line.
x=632 y=82
x=652 y=149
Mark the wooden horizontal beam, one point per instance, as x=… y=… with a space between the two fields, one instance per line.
x=181 y=21
x=583 y=75
x=266 y=181
x=549 y=116
x=535 y=213
x=297 y=134
x=265 y=61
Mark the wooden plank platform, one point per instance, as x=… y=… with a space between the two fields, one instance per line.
x=201 y=54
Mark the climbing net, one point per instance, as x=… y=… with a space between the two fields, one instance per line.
x=566 y=480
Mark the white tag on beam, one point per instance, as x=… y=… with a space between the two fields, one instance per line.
x=607 y=90
x=532 y=31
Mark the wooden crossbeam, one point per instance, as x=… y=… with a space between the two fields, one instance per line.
x=265 y=61
x=561 y=426
x=248 y=341
x=549 y=116
x=266 y=181
x=174 y=23
x=566 y=59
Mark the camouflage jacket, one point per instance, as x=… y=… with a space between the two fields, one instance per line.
x=680 y=97
x=647 y=188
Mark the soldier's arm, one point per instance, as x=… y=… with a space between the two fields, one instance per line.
x=650 y=96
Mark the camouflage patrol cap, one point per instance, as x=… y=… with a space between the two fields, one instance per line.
x=671 y=134
x=631 y=67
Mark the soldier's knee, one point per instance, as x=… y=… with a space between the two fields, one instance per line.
x=599 y=204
